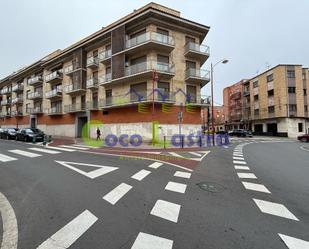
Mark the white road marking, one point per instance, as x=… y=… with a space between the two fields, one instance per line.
x=67 y=235
x=238 y=158
x=45 y=150
x=247 y=175
x=239 y=162
x=140 y=175
x=9 y=224
x=194 y=153
x=117 y=193
x=148 y=241
x=151 y=152
x=25 y=153
x=175 y=154
x=92 y=174
x=5 y=158
x=155 y=165
x=241 y=167
x=176 y=187
x=256 y=187
x=182 y=174
x=60 y=148
x=274 y=209
x=74 y=147
x=166 y=210
x=294 y=243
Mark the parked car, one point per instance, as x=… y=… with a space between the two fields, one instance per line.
x=303 y=138
x=249 y=133
x=9 y=133
x=27 y=135
x=238 y=133
x=221 y=132
x=1 y=132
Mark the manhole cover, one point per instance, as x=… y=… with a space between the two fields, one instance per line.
x=211 y=187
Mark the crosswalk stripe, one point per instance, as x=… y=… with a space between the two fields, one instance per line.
x=5 y=158
x=175 y=154
x=182 y=174
x=241 y=167
x=74 y=147
x=166 y=210
x=239 y=162
x=61 y=149
x=25 y=153
x=274 y=209
x=140 y=175
x=194 y=153
x=67 y=235
x=149 y=241
x=117 y=193
x=45 y=150
x=238 y=158
x=176 y=187
x=155 y=165
x=256 y=187
x=294 y=243
x=246 y=175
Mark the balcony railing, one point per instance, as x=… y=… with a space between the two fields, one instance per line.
x=35 y=110
x=92 y=83
x=149 y=66
x=17 y=113
x=246 y=93
x=17 y=100
x=150 y=37
x=53 y=77
x=92 y=62
x=6 y=102
x=197 y=76
x=72 y=88
x=197 y=99
x=57 y=92
x=80 y=107
x=69 y=69
x=35 y=80
x=104 y=55
x=18 y=87
x=105 y=78
x=255 y=91
x=35 y=95
x=196 y=47
x=93 y=105
x=55 y=110
x=4 y=90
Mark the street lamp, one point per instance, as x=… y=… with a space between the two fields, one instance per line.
x=223 y=61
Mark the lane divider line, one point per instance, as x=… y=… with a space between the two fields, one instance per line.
x=256 y=187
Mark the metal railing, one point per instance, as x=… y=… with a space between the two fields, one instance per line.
x=35 y=79
x=70 y=68
x=93 y=105
x=18 y=87
x=93 y=82
x=6 y=102
x=53 y=76
x=92 y=61
x=150 y=36
x=197 y=73
x=148 y=66
x=55 y=92
x=106 y=54
x=75 y=107
x=105 y=78
x=35 y=95
x=55 y=110
x=197 y=99
x=17 y=100
x=34 y=110
x=72 y=88
x=196 y=47
x=4 y=90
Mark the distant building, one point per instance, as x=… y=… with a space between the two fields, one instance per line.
x=219 y=118
x=274 y=102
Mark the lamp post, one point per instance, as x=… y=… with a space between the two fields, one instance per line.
x=224 y=61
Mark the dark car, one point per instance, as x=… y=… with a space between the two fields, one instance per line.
x=249 y=133
x=222 y=132
x=303 y=138
x=28 y=134
x=1 y=132
x=238 y=133
x=9 y=133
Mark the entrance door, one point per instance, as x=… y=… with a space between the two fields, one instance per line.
x=272 y=128
x=81 y=122
x=33 y=122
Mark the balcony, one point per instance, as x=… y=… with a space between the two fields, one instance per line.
x=74 y=89
x=17 y=113
x=55 y=110
x=36 y=80
x=35 y=95
x=236 y=95
x=197 y=100
x=80 y=107
x=246 y=93
x=54 y=77
x=104 y=56
x=93 y=62
x=135 y=98
x=17 y=100
x=92 y=83
x=5 y=90
x=93 y=105
x=197 y=51
x=270 y=86
x=105 y=78
x=144 y=71
x=54 y=94
x=271 y=101
x=5 y=102
x=199 y=76
x=18 y=88
x=35 y=110
x=255 y=91
x=150 y=40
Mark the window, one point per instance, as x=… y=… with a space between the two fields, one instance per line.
x=306 y=108
x=270 y=92
x=256 y=97
x=291 y=89
x=304 y=76
x=256 y=112
x=191 y=94
x=271 y=109
x=292 y=108
x=162 y=31
x=300 y=127
x=190 y=39
x=255 y=84
x=108 y=96
x=305 y=92
x=291 y=73
x=270 y=78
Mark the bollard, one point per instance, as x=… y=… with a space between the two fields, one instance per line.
x=33 y=140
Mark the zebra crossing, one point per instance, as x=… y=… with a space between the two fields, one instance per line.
x=34 y=152
x=189 y=155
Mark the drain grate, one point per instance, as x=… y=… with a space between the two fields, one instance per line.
x=211 y=187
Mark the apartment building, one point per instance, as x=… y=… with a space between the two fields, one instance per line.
x=145 y=67
x=219 y=118
x=276 y=101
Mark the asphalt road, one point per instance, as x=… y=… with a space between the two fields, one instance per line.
x=58 y=207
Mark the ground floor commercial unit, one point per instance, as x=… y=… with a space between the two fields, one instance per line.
x=117 y=121
x=288 y=127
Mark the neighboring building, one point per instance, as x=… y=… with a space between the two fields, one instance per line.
x=219 y=118
x=142 y=68
x=233 y=106
x=276 y=102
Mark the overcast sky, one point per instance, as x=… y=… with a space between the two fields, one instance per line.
x=252 y=34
